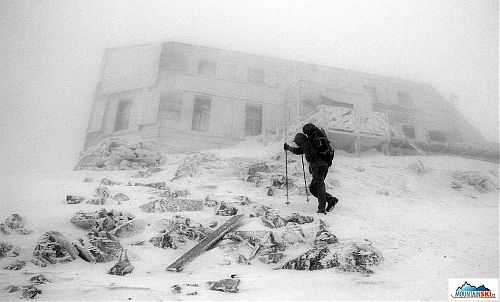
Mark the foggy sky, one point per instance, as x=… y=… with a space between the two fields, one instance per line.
x=50 y=54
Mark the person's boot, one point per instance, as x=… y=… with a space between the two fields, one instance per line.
x=331 y=204
x=320 y=211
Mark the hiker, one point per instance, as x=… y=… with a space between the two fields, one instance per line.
x=318 y=164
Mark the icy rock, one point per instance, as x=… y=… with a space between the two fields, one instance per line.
x=323 y=236
x=113 y=162
x=130 y=228
x=99 y=248
x=53 y=248
x=73 y=199
x=39 y=279
x=16 y=223
x=244 y=200
x=123 y=266
x=482 y=183
x=258 y=168
x=209 y=202
x=167 y=193
x=242 y=260
x=293 y=233
x=315 y=259
x=353 y=257
x=111 y=153
x=360 y=169
x=272 y=220
x=88 y=179
x=191 y=165
x=102 y=192
x=225 y=210
x=156 y=185
x=382 y=192
x=417 y=167
x=3 y=229
x=143 y=174
x=163 y=241
x=9 y=250
x=279 y=181
x=25 y=291
x=271 y=258
x=173 y=205
x=297 y=218
x=97 y=201
x=120 y=197
x=17 y=265
x=225 y=285
x=270 y=191
x=124 y=152
x=455 y=185
x=109 y=182
x=86 y=220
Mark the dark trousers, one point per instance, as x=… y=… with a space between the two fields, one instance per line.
x=317 y=186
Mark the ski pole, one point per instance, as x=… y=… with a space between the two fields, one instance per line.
x=305 y=183
x=286 y=174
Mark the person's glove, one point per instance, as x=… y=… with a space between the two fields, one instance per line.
x=285 y=146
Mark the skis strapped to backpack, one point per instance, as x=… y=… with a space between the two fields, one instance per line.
x=320 y=141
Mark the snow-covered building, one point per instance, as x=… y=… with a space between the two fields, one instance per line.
x=189 y=96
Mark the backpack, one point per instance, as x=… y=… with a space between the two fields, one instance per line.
x=320 y=141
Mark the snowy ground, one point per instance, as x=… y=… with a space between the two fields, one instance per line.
x=426 y=231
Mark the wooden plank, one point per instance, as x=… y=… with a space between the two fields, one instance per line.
x=203 y=245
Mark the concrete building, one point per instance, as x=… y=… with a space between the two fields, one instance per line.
x=188 y=96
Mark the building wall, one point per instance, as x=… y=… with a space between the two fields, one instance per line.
x=284 y=89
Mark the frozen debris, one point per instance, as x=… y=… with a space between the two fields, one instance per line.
x=418 y=167
x=271 y=258
x=493 y=172
x=180 y=228
x=16 y=223
x=123 y=266
x=86 y=220
x=264 y=244
x=15 y=266
x=8 y=250
x=138 y=243
x=279 y=181
x=173 y=205
x=73 y=199
x=270 y=191
x=109 y=182
x=225 y=285
x=54 y=248
x=240 y=259
x=225 y=210
x=39 y=279
x=383 y=192
x=176 y=289
x=193 y=164
x=120 y=197
x=117 y=153
x=354 y=257
x=155 y=185
x=116 y=223
x=258 y=168
x=163 y=241
x=482 y=183
x=25 y=291
x=360 y=169
x=3 y=229
x=88 y=179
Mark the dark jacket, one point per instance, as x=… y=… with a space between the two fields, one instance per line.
x=310 y=152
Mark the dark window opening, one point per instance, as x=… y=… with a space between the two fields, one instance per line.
x=409 y=131
x=404 y=98
x=171 y=104
x=253 y=121
x=372 y=91
x=207 y=68
x=256 y=76
x=122 y=116
x=437 y=136
x=201 y=113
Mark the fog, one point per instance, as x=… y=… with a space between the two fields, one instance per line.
x=50 y=54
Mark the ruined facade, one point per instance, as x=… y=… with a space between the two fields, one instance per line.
x=188 y=96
